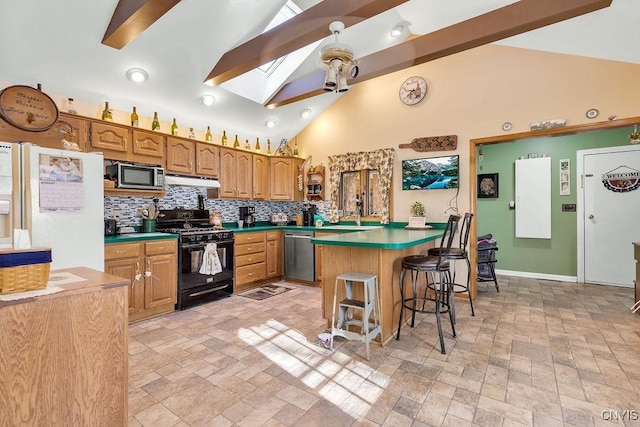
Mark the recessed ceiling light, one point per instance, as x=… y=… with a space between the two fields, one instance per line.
x=270 y=122
x=137 y=75
x=305 y=113
x=208 y=100
x=399 y=29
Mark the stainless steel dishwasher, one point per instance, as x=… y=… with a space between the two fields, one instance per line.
x=299 y=259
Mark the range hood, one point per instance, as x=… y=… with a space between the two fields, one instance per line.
x=191 y=182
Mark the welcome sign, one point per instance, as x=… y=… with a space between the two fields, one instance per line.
x=621 y=179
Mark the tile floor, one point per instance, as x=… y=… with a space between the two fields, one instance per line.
x=538 y=353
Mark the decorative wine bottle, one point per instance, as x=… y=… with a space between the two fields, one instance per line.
x=236 y=144
x=247 y=146
x=134 y=118
x=155 y=124
x=192 y=135
x=268 y=147
x=106 y=113
x=207 y=136
x=174 y=128
x=224 y=137
x=71 y=109
x=258 y=145
x=295 y=149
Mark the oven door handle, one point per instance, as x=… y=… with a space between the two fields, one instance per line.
x=199 y=246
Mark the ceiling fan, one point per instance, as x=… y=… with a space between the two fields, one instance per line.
x=339 y=60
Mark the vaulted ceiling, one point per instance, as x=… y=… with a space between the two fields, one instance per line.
x=83 y=49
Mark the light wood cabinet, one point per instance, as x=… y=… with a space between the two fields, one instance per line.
x=123 y=260
x=250 y=260
x=260 y=177
x=65 y=355
x=187 y=157
x=69 y=126
x=152 y=269
x=283 y=179
x=181 y=155
x=275 y=255
x=207 y=160
x=119 y=142
x=236 y=174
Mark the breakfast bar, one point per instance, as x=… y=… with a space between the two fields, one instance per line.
x=375 y=251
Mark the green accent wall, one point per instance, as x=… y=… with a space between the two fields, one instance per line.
x=558 y=255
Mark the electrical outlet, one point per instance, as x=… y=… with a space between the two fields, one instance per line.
x=116 y=215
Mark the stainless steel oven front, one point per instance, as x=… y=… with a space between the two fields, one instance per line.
x=195 y=287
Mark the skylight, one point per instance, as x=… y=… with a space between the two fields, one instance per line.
x=288 y=11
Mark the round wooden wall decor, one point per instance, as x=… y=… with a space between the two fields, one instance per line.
x=27 y=108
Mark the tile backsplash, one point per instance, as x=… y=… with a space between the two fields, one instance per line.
x=187 y=197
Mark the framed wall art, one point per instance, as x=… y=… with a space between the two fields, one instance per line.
x=488 y=186
x=565 y=177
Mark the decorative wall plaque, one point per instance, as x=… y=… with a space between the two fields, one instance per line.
x=433 y=143
x=27 y=108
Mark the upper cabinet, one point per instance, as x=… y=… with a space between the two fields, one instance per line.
x=207 y=160
x=68 y=127
x=188 y=157
x=260 y=177
x=119 y=142
x=181 y=155
x=236 y=174
x=284 y=178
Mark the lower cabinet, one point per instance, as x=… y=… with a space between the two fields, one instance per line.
x=275 y=254
x=152 y=269
x=259 y=258
x=318 y=257
x=251 y=265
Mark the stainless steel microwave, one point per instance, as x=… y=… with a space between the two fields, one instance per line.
x=138 y=177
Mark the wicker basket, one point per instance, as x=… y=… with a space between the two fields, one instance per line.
x=24 y=270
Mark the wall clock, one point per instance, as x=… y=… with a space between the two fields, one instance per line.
x=413 y=90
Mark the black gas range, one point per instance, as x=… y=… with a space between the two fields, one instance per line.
x=192 y=225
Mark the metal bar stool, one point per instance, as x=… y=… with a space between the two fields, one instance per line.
x=368 y=306
x=438 y=267
x=456 y=254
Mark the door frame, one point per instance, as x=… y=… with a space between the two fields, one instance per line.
x=500 y=139
x=580 y=154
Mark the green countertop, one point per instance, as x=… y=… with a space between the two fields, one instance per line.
x=330 y=228
x=381 y=238
x=138 y=237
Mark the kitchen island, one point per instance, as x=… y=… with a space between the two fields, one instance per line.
x=375 y=251
x=64 y=356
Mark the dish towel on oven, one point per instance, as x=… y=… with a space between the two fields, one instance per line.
x=210 y=260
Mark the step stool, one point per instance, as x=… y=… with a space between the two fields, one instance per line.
x=368 y=306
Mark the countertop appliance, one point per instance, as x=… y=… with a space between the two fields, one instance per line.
x=110 y=227
x=308 y=213
x=58 y=196
x=138 y=177
x=195 y=232
x=299 y=255
x=248 y=215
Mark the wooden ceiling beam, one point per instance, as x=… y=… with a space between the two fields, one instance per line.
x=132 y=17
x=306 y=28
x=516 y=18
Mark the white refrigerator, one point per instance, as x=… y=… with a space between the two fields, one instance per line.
x=58 y=196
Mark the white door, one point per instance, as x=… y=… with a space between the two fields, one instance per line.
x=608 y=214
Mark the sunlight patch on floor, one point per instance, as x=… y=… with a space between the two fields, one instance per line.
x=332 y=374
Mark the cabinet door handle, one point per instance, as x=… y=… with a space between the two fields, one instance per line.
x=190 y=165
x=125 y=143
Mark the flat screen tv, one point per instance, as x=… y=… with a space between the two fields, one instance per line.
x=430 y=173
